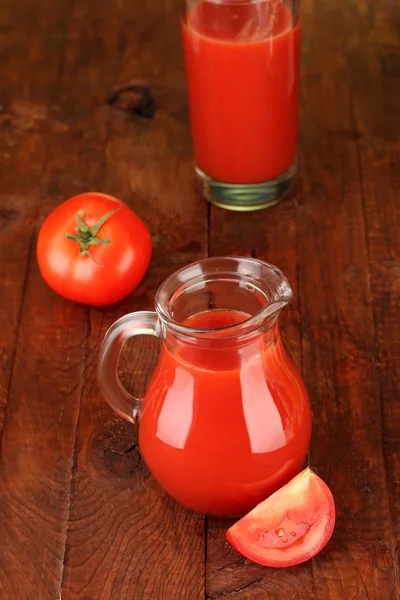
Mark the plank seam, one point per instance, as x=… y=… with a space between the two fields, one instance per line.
x=73 y=457
x=17 y=333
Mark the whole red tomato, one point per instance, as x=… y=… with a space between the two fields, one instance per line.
x=93 y=249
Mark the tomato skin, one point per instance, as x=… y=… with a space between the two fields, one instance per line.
x=290 y=527
x=112 y=270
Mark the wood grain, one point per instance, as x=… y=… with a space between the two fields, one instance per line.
x=338 y=325
x=22 y=126
x=80 y=516
x=40 y=417
x=378 y=145
x=126 y=538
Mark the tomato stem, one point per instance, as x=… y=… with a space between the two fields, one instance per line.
x=87 y=236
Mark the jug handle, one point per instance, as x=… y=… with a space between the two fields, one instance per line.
x=137 y=323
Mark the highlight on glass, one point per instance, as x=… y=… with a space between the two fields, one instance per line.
x=242 y=72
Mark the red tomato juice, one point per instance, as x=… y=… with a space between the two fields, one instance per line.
x=242 y=71
x=222 y=429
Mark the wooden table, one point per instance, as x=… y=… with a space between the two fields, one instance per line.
x=80 y=515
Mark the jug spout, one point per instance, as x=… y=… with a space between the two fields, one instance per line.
x=284 y=291
x=279 y=291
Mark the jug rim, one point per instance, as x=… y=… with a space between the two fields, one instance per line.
x=264 y=276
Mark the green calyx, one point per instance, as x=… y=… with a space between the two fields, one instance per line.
x=87 y=236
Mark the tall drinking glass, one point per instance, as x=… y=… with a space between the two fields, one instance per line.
x=242 y=71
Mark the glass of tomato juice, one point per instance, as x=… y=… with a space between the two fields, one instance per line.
x=242 y=73
x=225 y=420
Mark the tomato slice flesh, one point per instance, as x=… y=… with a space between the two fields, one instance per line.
x=288 y=533
x=290 y=527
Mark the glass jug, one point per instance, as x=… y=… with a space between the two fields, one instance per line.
x=225 y=420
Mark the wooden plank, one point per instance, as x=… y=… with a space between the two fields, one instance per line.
x=337 y=320
x=37 y=443
x=38 y=425
x=28 y=85
x=126 y=538
x=39 y=431
x=379 y=155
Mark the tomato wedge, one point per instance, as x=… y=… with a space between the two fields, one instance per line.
x=290 y=527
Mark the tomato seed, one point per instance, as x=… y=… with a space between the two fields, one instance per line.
x=280 y=532
x=293 y=533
